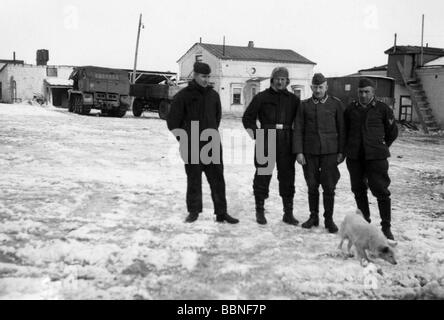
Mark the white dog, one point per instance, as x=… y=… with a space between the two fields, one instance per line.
x=365 y=236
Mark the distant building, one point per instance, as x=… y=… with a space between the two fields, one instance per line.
x=419 y=85
x=238 y=73
x=20 y=82
x=375 y=71
x=346 y=88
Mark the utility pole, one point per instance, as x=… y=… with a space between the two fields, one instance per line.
x=394 y=45
x=422 y=42
x=133 y=80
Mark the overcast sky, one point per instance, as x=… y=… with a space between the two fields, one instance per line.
x=340 y=36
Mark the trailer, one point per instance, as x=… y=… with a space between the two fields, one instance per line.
x=153 y=91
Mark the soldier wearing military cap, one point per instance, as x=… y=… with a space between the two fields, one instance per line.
x=318 y=141
x=275 y=108
x=370 y=131
x=199 y=105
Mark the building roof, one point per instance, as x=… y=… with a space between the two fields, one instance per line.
x=436 y=62
x=252 y=54
x=357 y=75
x=12 y=61
x=58 y=82
x=152 y=77
x=415 y=50
x=379 y=68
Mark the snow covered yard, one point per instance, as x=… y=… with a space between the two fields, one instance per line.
x=93 y=208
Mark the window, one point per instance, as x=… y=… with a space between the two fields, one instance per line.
x=298 y=90
x=237 y=95
x=405 y=109
x=199 y=58
x=51 y=72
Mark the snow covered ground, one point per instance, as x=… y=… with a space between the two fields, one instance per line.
x=93 y=208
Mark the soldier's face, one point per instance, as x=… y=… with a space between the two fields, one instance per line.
x=319 y=90
x=366 y=95
x=279 y=83
x=202 y=79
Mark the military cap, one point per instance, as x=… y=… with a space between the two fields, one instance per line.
x=201 y=67
x=280 y=72
x=318 y=79
x=366 y=82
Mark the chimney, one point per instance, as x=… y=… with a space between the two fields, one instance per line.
x=223 y=48
x=42 y=57
x=200 y=40
x=13 y=55
x=250 y=44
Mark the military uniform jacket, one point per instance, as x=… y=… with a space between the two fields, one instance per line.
x=271 y=108
x=319 y=127
x=377 y=132
x=195 y=103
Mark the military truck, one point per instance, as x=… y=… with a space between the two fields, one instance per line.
x=99 y=88
x=153 y=92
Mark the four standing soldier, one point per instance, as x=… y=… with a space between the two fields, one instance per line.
x=323 y=136
x=318 y=141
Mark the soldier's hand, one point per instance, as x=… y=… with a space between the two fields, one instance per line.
x=301 y=159
x=340 y=158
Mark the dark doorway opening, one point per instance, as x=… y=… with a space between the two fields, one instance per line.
x=59 y=97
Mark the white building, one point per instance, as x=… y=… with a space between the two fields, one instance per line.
x=20 y=82
x=429 y=78
x=238 y=73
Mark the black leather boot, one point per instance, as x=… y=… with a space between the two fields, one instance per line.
x=385 y=211
x=260 y=211
x=362 y=203
x=313 y=204
x=313 y=221
x=329 y=203
x=226 y=217
x=192 y=216
x=288 y=212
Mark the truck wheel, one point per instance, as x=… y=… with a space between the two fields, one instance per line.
x=77 y=104
x=118 y=113
x=71 y=104
x=86 y=110
x=164 y=109
x=137 y=107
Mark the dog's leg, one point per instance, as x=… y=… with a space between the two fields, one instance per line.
x=368 y=257
x=340 y=244
x=360 y=253
x=349 y=245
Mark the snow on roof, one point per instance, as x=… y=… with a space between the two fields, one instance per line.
x=59 y=82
